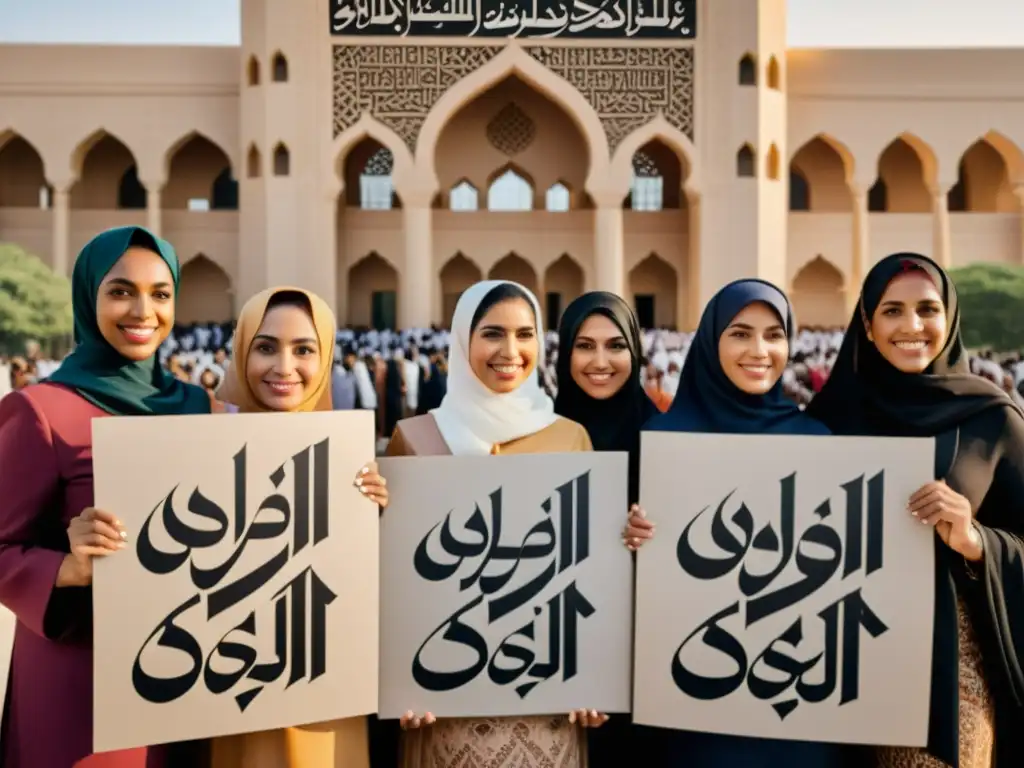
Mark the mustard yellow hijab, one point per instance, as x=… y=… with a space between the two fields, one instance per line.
x=235 y=389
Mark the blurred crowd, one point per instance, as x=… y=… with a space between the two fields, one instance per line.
x=400 y=372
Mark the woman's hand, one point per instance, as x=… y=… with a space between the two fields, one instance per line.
x=94 y=533
x=939 y=505
x=411 y=721
x=372 y=485
x=638 y=529
x=588 y=718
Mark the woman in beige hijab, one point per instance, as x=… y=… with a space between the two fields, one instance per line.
x=283 y=354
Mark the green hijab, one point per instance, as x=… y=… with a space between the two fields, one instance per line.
x=95 y=369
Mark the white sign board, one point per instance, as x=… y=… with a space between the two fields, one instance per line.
x=247 y=596
x=788 y=593
x=505 y=585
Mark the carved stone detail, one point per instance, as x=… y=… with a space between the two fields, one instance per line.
x=627 y=86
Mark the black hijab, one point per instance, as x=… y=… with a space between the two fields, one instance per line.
x=707 y=401
x=613 y=424
x=867 y=395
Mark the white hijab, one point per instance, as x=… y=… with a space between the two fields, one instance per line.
x=473 y=419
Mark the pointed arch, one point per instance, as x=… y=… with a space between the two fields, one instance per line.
x=279 y=68
x=463 y=196
x=189 y=138
x=107 y=174
x=22 y=173
x=818 y=292
x=510 y=188
x=984 y=179
x=563 y=282
x=193 y=164
x=86 y=145
x=515 y=268
x=829 y=142
x=653 y=287
x=773 y=74
x=513 y=60
x=253 y=163
x=1012 y=154
x=282 y=160
x=746 y=162
x=558 y=198
x=906 y=169
x=252 y=71
x=369 y=127
x=457 y=274
x=772 y=163
x=747 y=70
x=658 y=129
x=373 y=293
x=204 y=294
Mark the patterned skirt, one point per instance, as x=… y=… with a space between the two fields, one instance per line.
x=506 y=742
x=977 y=712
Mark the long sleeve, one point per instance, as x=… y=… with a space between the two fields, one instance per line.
x=29 y=481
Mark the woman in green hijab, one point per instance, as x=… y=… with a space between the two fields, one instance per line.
x=123 y=292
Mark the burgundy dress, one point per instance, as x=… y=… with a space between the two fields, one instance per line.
x=45 y=481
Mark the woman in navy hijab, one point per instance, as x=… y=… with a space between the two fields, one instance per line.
x=732 y=383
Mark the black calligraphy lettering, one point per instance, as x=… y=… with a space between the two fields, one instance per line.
x=708 y=688
x=299 y=607
x=575 y=606
x=854 y=525
x=856 y=615
x=161 y=690
x=767 y=540
x=455 y=631
x=706 y=568
x=876 y=526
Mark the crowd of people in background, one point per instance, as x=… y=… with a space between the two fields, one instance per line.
x=402 y=373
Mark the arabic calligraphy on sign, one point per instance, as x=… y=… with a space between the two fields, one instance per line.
x=642 y=19
x=502 y=600
x=808 y=588
x=238 y=607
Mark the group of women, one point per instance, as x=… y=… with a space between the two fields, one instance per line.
x=902 y=371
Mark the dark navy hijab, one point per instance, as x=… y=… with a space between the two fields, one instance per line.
x=707 y=401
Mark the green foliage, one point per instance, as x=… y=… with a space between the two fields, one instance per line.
x=35 y=303
x=991 y=305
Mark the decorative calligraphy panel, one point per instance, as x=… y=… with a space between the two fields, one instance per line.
x=400 y=84
x=247 y=596
x=505 y=587
x=627 y=87
x=609 y=19
x=786 y=589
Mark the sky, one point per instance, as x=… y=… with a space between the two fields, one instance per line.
x=812 y=23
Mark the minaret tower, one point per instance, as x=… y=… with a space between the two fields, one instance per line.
x=741 y=107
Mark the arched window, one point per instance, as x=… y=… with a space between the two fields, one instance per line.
x=647 y=192
x=557 y=199
x=748 y=70
x=280 y=68
x=253 y=71
x=746 y=162
x=376 y=189
x=254 y=163
x=282 y=160
x=464 y=197
x=510 y=192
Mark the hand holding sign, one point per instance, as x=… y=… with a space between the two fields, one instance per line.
x=372 y=485
x=94 y=533
x=950 y=512
x=638 y=529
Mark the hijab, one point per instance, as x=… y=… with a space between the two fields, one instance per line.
x=707 y=401
x=236 y=390
x=97 y=371
x=472 y=418
x=613 y=424
x=865 y=394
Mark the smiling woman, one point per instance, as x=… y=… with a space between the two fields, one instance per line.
x=135 y=305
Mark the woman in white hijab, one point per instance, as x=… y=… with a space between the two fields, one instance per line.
x=494 y=404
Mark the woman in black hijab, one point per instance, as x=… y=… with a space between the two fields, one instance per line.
x=598 y=373
x=903 y=371
x=598 y=379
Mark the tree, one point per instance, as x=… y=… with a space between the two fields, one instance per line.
x=35 y=302
x=991 y=305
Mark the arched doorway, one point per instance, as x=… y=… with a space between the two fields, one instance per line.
x=199 y=177
x=563 y=282
x=458 y=274
x=517 y=269
x=204 y=295
x=653 y=286
x=819 y=295
x=373 y=293
x=109 y=177
x=818 y=174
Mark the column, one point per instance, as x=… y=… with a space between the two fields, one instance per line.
x=154 y=220
x=609 y=262
x=941 y=240
x=694 y=308
x=416 y=283
x=1018 y=190
x=861 y=244
x=61 y=205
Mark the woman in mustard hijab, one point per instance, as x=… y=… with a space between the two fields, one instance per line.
x=283 y=351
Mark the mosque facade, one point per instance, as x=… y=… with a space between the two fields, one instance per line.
x=389 y=153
